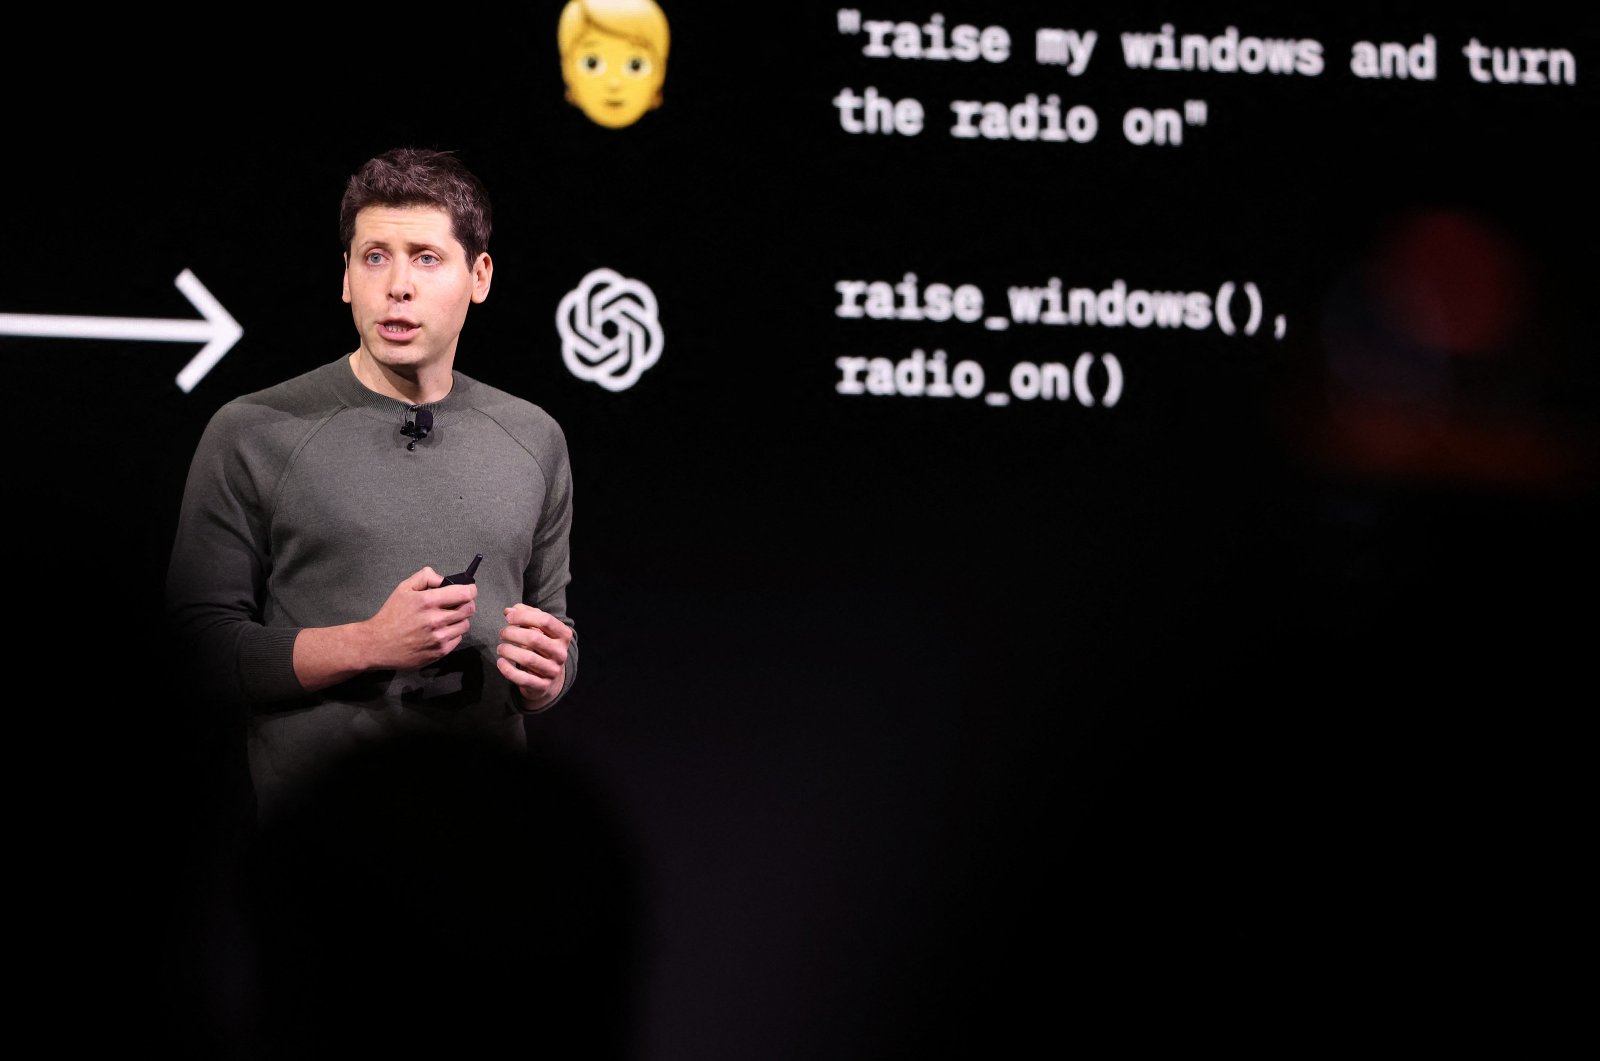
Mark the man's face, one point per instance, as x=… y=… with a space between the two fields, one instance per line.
x=409 y=284
x=612 y=79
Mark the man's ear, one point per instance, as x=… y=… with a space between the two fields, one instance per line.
x=482 y=274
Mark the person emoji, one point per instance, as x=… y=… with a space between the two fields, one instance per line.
x=613 y=58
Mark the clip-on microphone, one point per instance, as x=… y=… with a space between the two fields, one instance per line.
x=418 y=430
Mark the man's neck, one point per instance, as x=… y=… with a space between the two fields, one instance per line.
x=417 y=385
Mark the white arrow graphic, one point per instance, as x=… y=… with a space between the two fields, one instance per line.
x=219 y=331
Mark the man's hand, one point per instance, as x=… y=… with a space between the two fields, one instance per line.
x=533 y=654
x=420 y=623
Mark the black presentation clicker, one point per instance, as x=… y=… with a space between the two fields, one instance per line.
x=463 y=578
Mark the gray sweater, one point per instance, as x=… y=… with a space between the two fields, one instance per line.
x=304 y=507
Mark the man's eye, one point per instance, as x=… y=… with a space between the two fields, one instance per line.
x=428 y=259
x=593 y=64
x=374 y=258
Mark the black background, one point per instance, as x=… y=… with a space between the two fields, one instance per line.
x=1248 y=707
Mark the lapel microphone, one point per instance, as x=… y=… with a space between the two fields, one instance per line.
x=418 y=429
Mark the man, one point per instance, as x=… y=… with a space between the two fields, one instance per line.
x=321 y=515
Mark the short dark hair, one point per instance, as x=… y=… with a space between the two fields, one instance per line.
x=414 y=176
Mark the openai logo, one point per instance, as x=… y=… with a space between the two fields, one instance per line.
x=609 y=331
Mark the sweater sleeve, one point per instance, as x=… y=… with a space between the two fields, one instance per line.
x=549 y=569
x=218 y=569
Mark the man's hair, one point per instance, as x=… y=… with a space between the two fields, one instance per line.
x=413 y=176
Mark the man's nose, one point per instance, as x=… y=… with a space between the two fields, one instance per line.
x=400 y=288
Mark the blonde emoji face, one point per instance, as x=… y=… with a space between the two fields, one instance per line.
x=611 y=79
x=613 y=58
